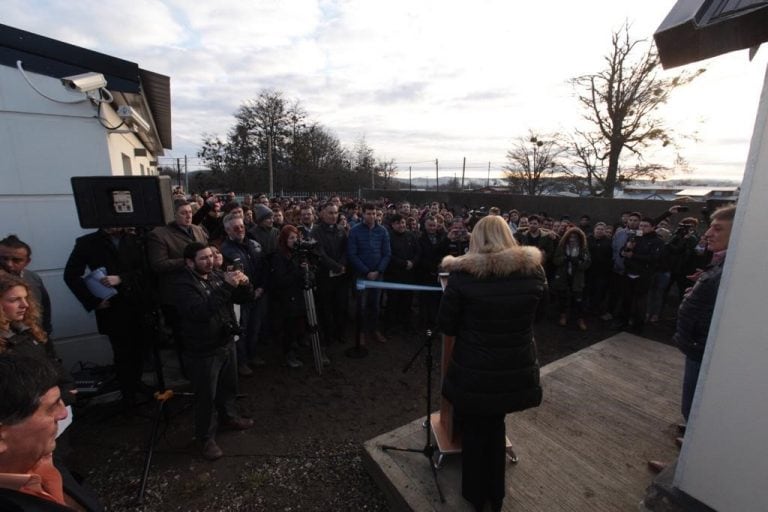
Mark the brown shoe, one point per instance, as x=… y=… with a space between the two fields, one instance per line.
x=656 y=466
x=211 y=450
x=239 y=423
x=379 y=337
x=582 y=324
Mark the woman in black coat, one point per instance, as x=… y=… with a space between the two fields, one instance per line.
x=489 y=306
x=287 y=289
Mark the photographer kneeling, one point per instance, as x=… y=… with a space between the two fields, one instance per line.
x=204 y=298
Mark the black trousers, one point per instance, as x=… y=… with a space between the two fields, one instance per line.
x=214 y=382
x=483 y=459
x=128 y=349
x=332 y=297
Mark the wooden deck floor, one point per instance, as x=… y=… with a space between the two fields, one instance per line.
x=607 y=410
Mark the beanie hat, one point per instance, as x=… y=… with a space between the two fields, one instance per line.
x=260 y=212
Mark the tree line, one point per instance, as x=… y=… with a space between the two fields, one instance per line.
x=620 y=105
x=272 y=130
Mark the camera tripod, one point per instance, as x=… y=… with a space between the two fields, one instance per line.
x=429 y=448
x=314 y=331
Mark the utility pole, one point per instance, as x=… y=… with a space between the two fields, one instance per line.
x=488 y=181
x=269 y=160
x=410 y=180
x=437 y=177
x=178 y=170
x=186 y=175
x=463 y=168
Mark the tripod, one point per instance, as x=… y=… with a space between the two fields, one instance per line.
x=161 y=398
x=314 y=332
x=429 y=448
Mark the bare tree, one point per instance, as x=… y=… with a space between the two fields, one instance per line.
x=621 y=102
x=532 y=161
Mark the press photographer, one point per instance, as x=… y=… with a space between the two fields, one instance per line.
x=204 y=297
x=289 y=266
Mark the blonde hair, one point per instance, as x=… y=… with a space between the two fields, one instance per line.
x=32 y=317
x=491 y=234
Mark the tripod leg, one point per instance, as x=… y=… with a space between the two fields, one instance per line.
x=150 y=450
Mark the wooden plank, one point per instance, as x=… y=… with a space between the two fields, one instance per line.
x=607 y=409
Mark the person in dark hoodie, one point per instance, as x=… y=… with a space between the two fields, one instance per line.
x=489 y=306
x=571 y=260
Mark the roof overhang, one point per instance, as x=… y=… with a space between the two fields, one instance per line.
x=149 y=93
x=699 y=29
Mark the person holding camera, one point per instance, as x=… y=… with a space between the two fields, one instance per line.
x=287 y=278
x=204 y=297
x=641 y=255
x=683 y=257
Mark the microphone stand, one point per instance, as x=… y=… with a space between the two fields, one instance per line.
x=429 y=448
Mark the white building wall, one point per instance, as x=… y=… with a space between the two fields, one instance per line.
x=724 y=460
x=43 y=144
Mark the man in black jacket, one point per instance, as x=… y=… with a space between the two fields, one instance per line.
x=641 y=257
x=124 y=316
x=204 y=297
x=433 y=247
x=331 y=276
x=404 y=245
x=241 y=252
x=695 y=313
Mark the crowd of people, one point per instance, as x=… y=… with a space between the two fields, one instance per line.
x=265 y=253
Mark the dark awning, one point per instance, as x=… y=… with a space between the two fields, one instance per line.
x=699 y=29
x=57 y=59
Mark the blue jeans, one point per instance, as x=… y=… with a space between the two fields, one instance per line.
x=659 y=285
x=690 y=378
x=371 y=304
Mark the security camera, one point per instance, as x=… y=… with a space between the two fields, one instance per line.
x=85 y=82
x=131 y=116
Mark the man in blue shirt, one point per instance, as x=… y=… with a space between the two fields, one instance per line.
x=368 y=252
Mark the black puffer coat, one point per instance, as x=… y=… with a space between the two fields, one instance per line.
x=489 y=305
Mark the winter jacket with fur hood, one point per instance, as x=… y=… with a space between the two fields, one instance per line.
x=489 y=305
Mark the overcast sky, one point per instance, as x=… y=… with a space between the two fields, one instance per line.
x=419 y=79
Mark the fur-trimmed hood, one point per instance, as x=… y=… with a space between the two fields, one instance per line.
x=522 y=259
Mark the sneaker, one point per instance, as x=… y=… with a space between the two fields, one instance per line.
x=379 y=337
x=607 y=317
x=211 y=450
x=292 y=361
x=563 y=320
x=244 y=370
x=582 y=325
x=238 y=423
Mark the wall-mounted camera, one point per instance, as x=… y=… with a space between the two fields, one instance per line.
x=132 y=117
x=85 y=82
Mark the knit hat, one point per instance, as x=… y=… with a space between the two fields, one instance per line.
x=260 y=212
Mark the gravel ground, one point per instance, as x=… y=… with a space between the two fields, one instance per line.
x=305 y=452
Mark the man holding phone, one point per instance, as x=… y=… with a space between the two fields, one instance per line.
x=245 y=255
